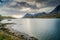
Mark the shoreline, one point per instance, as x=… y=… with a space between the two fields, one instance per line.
x=17 y=34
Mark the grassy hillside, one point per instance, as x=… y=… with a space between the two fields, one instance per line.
x=5 y=36
x=4 y=33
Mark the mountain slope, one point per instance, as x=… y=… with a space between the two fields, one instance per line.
x=53 y=14
x=56 y=12
x=28 y=15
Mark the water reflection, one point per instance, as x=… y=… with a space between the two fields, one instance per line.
x=57 y=29
x=43 y=29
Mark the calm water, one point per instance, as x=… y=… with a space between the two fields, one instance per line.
x=43 y=29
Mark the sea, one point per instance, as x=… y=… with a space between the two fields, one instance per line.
x=43 y=29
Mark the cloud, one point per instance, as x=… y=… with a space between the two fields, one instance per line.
x=34 y=4
x=5 y=2
x=49 y=2
x=23 y=4
x=20 y=7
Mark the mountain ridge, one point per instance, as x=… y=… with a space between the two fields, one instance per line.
x=53 y=14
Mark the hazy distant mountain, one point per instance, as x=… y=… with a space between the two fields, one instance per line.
x=53 y=14
x=27 y=15
x=39 y=14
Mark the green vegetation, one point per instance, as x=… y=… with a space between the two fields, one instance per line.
x=5 y=36
x=48 y=16
x=57 y=15
x=4 y=33
x=6 y=17
x=53 y=14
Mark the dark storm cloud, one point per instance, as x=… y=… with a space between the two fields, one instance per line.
x=49 y=2
x=24 y=4
x=44 y=3
x=28 y=6
x=5 y=2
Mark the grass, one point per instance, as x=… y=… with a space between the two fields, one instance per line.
x=5 y=36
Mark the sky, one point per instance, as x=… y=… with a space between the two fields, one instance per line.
x=21 y=7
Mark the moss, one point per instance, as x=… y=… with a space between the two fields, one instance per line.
x=4 y=36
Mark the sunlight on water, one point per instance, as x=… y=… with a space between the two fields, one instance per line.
x=27 y=26
x=43 y=29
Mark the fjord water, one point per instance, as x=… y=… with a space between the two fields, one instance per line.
x=43 y=29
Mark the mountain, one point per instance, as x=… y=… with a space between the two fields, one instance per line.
x=53 y=14
x=27 y=15
x=39 y=14
x=56 y=12
x=34 y=15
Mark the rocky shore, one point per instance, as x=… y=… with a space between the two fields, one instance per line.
x=17 y=34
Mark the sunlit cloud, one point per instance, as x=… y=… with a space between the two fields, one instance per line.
x=21 y=7
x=17 y=16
